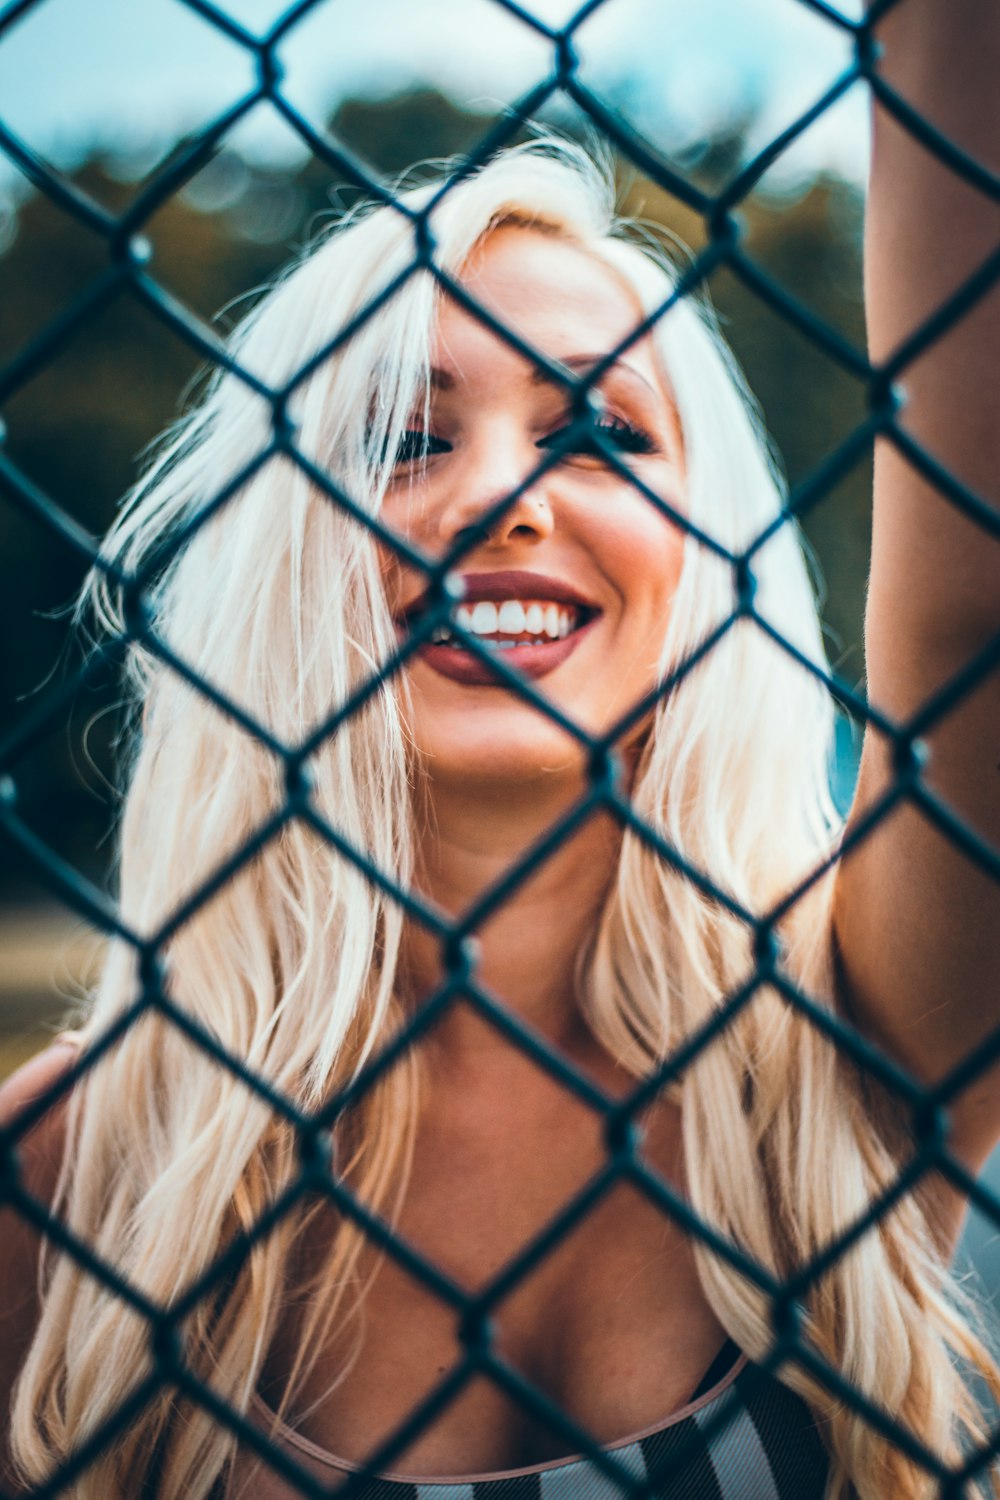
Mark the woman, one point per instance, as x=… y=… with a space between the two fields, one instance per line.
x=592 y=584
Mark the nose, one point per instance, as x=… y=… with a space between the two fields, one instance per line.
x=495 y=469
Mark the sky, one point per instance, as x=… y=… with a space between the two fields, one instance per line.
x=129 y=76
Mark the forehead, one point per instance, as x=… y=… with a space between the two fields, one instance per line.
x=557 y=297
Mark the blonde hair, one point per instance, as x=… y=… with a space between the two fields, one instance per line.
x=290 y=965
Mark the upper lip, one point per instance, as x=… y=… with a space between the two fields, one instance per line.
x=512 y=583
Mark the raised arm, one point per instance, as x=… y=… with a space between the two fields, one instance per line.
x=916 y=920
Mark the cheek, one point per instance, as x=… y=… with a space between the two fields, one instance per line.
x=401 y=510
x=401 y=579
x=648 y=557
x=642 y=556
x=403 y=513
x=394 y=577
x=412 y=510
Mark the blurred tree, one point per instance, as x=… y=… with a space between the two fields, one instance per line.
x=79 y=426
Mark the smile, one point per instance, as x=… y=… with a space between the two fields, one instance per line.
x=510 y=623
x=534 y=636
x=535 y=631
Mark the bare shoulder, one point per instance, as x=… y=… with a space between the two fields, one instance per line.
x=39 y=1153
x=40 y=1146
x=37 y=1149
x=35 y=1078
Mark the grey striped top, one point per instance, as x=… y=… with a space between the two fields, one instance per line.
x=742 y=1436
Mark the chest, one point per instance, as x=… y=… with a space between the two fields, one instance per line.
x=592 y=1297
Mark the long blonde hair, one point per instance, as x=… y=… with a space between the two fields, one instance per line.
x=290 y=963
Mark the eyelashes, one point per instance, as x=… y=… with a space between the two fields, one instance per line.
x=620 y=434
x=417 y=444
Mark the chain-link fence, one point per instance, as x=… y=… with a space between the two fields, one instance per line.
x=129 y=274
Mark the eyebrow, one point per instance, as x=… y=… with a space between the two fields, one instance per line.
x=587 y=362
x=444 y=380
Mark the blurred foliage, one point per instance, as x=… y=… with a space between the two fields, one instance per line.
x=79 y=426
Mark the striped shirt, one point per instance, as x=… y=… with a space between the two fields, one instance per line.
x=742 y=1436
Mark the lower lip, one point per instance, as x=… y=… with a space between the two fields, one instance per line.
x=531 y=661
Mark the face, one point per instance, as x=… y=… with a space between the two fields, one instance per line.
x=575 y=582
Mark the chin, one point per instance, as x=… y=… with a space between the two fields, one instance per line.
x=510 y=755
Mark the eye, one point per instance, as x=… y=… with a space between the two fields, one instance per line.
x=416 y=444
x=621 y=435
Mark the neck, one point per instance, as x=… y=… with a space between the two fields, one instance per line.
x=529 y=946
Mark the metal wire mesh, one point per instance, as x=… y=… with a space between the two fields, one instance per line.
x=128 y=275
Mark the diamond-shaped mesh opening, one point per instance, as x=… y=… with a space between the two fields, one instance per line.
x=220 y=1070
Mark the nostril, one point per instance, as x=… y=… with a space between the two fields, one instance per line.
x=468 y=537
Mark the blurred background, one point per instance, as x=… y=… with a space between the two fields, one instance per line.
x=110 y=91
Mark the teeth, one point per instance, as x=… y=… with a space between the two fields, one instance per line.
x=511 y=618
x=484 y=618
